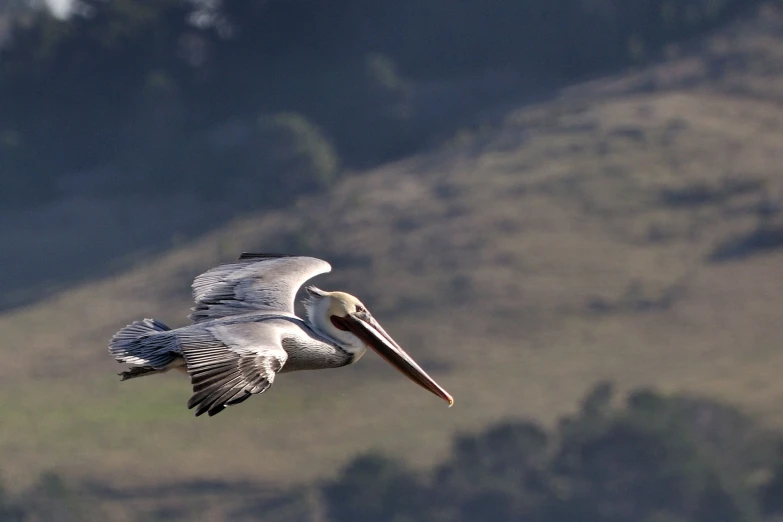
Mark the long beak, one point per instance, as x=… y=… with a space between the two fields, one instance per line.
x=366 y=328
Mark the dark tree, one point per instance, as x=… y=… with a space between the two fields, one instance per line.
x=640 y=462
x=375 y=488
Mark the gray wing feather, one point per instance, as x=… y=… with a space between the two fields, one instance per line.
x=251 y=284
x=229 y=363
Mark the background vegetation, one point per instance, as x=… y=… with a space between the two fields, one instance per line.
x=525 y=235
x=148 y=87
x=654 y=458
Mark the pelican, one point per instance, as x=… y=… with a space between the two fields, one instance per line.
x=244 y=332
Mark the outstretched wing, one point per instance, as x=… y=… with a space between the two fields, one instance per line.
x=229 y=363
x=255 y=282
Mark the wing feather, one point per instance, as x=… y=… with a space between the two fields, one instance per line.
x=255 y=282
x=228 y=363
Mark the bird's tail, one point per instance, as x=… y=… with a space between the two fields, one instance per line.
x=148 y=343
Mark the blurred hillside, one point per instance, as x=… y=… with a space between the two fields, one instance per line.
x=188 y=112
x=626 y=227
x=649 y=457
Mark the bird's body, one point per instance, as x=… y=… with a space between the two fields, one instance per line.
x=244 y=332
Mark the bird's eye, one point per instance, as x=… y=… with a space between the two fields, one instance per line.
x=360 y=309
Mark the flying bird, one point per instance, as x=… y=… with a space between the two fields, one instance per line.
x=244 y=332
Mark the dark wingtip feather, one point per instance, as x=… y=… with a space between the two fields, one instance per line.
x=138 y=371
x=214 y=411
x=245 y=397
x=200 y=410
x=255 y=255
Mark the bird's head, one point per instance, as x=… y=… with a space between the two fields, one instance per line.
x=344 y=319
